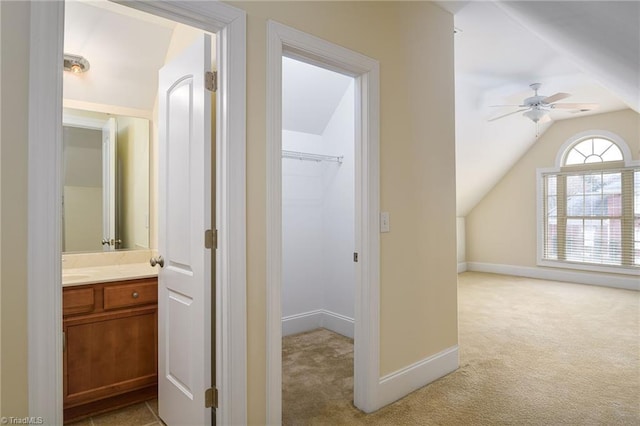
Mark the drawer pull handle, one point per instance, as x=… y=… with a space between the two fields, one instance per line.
x=135 y=294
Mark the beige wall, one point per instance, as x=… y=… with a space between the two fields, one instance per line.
x=82 y=219
x=13 y=207
x=132 y=181
x=414 y=43
x=501 y=229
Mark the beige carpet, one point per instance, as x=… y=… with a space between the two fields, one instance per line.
x=532 y=352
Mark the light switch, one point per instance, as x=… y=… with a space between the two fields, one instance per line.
x=384 y=222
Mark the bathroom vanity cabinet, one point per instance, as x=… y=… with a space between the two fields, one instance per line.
x=110 y=345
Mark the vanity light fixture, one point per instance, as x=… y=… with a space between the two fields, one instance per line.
x=75 y=64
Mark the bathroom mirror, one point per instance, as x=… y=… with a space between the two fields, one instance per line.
x=105 y=182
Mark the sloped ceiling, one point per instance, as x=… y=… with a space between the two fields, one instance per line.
x=588 y=49
x=125 y=49
x=310 y=96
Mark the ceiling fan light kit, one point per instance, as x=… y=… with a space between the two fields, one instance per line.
x=535 y=114
x=537 y=107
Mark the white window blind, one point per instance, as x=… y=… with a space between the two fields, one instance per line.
x=592 y=216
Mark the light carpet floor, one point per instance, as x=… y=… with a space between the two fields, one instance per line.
x=532 y=352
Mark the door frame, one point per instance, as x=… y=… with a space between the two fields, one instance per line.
x=283 y=40
x=44 y=287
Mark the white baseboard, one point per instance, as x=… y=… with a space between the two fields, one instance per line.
x=590 y=278
x=337 y=323
x=406 y=380
x=462 y=267
x=307 y=321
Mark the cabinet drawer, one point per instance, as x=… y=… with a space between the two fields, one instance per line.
x=78 y=301
x=134 y=294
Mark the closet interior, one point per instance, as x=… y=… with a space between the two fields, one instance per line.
x=318 y=229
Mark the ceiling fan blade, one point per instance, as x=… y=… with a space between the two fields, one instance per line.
x=582 y=107
x=512 y=105
x=506 y=115
x=557 y=97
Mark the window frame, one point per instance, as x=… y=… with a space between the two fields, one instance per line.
x=626 y=164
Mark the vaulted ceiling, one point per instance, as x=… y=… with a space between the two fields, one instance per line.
x=589 y=49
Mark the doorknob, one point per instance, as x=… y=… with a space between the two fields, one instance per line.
x=158 y=260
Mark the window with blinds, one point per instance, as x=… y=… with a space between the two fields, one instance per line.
x=591 y=208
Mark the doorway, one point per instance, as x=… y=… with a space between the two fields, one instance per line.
x=152 y=343
x=318 y=237
x=285 y=41
x=45 y=148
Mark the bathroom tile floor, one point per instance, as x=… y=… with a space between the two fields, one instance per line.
x=142 y=414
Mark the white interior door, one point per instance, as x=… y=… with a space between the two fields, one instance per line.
x=184 y=202
x=109 y=134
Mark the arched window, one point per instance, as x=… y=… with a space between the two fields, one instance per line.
x=590 y=206
x=593 y=150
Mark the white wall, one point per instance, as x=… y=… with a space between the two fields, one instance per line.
x=318 y=282
x=339 y=218
x=302 y=193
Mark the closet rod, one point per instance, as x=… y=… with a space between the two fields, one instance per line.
x=311 y=157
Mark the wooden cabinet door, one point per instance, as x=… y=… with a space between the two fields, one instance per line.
x=110 y=353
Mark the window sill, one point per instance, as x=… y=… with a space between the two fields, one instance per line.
x=620 y=270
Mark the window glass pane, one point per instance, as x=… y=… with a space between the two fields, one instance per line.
x=574 y=157
x=612 y=154
x=594 y=241
x=636 y=192
x=612 y=205
x=551 y=249
x=593 y=205
x=612 y=183
x=552 y=184
x=575 y=206
x=594 y=150
x=575 y=185
x=636 y=232
x=593 y=184
x=592 y=236
x=601 y=145
x=575 y=242
x=610 y=241
x=552 y=206
x=585 y=147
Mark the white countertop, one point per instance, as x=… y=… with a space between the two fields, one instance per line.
x=100 y=274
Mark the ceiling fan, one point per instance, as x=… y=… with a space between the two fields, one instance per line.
x=537 y=107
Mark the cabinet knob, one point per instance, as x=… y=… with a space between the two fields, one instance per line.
x=135 y=295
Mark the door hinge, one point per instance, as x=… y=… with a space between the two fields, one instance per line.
x=64 y=341
x=355 y=257
x=211 y=398
x=211 y=81
x=211 y=239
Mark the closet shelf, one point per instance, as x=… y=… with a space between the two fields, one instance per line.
x=311 y=157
